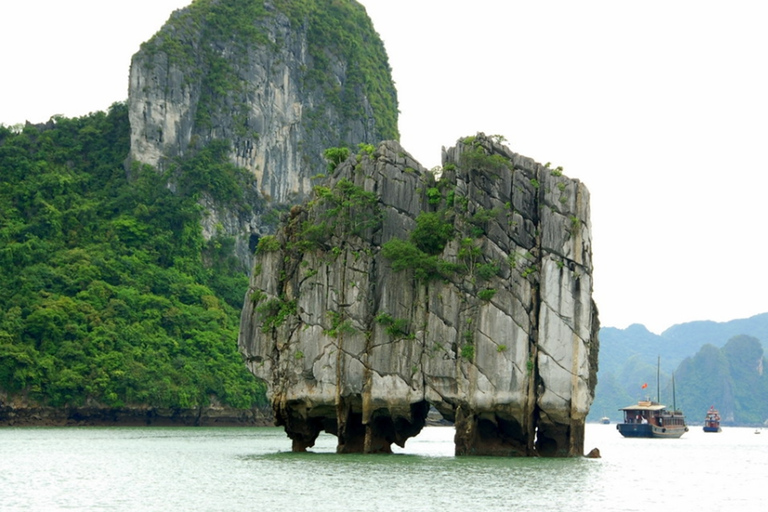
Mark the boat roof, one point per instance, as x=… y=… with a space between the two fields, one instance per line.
x=644 y=406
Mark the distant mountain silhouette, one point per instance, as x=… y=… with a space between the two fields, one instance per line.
x=732 y=378
x=628 y=359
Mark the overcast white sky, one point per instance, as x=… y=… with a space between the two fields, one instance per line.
x=659 y=107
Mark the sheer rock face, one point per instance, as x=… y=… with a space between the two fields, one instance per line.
x=495 y=328
x=262 y=89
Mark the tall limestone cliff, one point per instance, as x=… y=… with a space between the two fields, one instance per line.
x=278 y=80
x=394 y=290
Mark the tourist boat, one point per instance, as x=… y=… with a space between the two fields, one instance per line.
x=651 y=419
x=712 y=420
x=605 y=420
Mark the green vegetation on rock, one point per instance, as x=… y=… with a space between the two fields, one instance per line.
x=193 y=39
x=478 y=157
x=110 y=293
x=396 y=327
x=344 y=209
x=209 y=170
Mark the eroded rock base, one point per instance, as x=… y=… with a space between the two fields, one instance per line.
x=560 y=440
x=303 y=424
x=491 y=435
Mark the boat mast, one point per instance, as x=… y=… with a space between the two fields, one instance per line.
x=658 y=389
x=674 y=403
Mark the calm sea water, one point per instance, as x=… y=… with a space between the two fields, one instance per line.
x=238 y=469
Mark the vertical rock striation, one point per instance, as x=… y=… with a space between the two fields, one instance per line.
x=280 y=81
x=394 y=290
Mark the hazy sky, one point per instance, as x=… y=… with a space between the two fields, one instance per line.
x=659 y=107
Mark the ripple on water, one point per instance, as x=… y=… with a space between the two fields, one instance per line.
x=212 y=469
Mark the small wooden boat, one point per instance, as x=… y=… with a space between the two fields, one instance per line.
x=651 y=419
x=712 y=420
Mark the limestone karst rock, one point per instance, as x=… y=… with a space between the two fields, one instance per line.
x=279 y=80
x=394 y=290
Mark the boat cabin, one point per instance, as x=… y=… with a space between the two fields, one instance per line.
x=652 y=413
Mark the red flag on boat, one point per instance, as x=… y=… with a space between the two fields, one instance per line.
x=644 y=385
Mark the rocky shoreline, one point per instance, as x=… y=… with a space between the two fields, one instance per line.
x=96 y=416
x=132 y=417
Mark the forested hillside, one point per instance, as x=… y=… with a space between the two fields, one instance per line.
x=731 y=378
x=110 y=296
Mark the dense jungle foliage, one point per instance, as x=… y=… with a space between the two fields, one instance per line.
x=110 y=294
